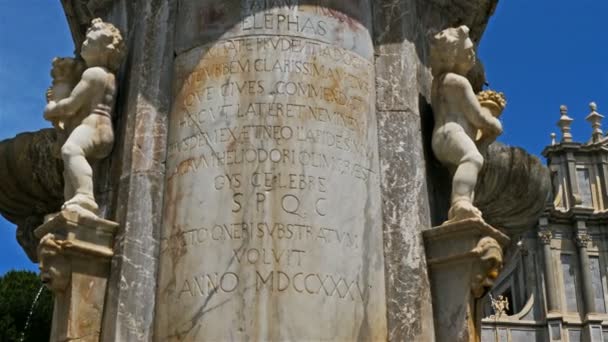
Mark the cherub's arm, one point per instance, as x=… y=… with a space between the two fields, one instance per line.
x=80 y=94
x=470 y=106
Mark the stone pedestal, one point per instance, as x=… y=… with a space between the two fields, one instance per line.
x=74 y=254
x=464 y=258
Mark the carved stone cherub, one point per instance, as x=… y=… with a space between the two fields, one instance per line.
x=86 y=114
x=459 y=118
x=500 y=305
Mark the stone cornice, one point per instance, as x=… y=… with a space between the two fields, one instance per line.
x=551 y=150
x=576 y=214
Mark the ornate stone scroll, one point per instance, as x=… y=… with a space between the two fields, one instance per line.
x=271 y=223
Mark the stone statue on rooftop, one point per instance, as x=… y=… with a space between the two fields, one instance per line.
x=464 y=123
x=82 y=110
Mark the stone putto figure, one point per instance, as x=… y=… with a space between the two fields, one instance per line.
x=82 y=112
x=463 y=125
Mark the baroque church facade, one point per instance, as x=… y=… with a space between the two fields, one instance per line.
x=555 y=286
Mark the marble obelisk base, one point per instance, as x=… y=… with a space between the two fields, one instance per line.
x=74 y=254
x=464 y=258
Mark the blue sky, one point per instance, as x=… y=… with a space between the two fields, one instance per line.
x=541 y=54
x=32 y=32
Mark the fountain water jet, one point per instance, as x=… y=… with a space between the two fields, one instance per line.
x=29 y=316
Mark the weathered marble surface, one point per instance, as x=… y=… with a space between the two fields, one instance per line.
x=272 y=203
x=135 y=176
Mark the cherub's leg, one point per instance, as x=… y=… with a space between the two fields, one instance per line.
x=68 y=186
x=77 y=169
x=463 y=187
x=455 y=148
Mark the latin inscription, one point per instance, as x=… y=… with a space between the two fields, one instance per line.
x=326 y=285
x=321 y=103
x=272 y=169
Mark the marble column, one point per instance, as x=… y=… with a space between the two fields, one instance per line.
x=271 y=224
x=545 y=236
x=582 y=240
x=554 y=315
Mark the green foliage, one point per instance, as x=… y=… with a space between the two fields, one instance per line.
x=17 y=292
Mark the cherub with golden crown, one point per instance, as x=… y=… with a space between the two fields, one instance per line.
x=85 y=115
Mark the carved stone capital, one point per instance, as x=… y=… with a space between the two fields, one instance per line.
x=582 y=240
x=545 y=236
x=487 y=267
